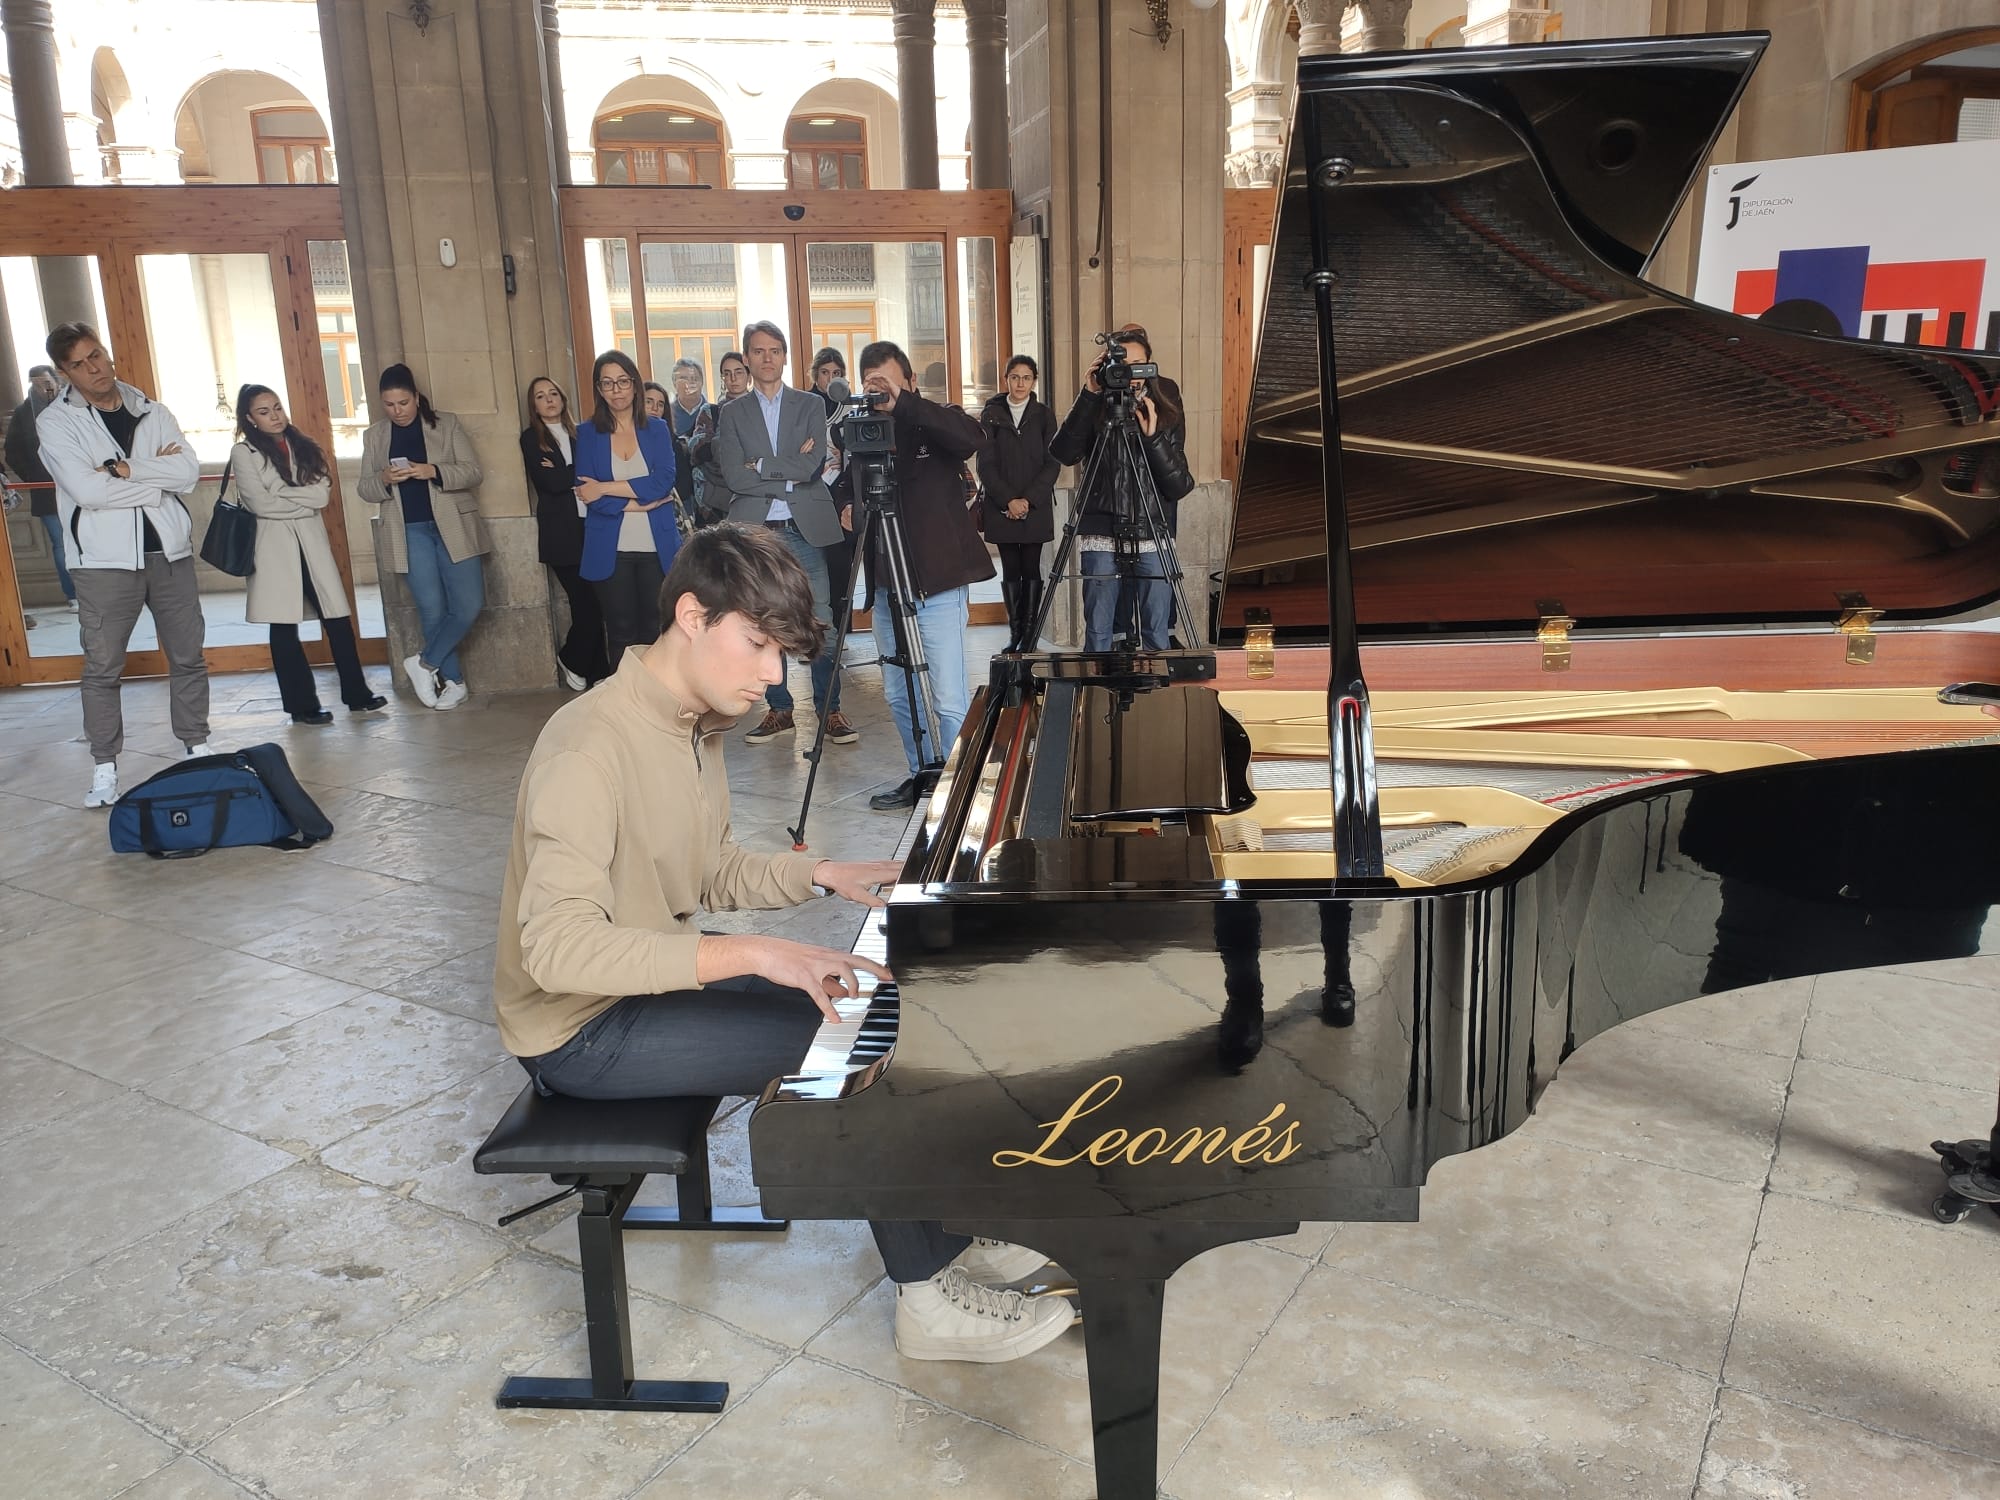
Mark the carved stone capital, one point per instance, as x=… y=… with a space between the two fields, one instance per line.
x=1319 y=25
x=1503 y=23
x=1376 y=26
x=1257 y=167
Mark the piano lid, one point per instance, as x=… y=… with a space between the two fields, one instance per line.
x=1526 y=427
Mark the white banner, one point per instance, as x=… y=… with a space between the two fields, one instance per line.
x=1887 y=245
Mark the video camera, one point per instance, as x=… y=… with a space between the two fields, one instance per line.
x=859 y=429
x=1119 y=370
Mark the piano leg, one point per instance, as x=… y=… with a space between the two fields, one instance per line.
x=1121 y=1267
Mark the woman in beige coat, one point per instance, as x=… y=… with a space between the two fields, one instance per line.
x=282 y=479
x=418 y=465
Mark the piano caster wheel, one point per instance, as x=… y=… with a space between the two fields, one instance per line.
x=1949 y=1208
x=1336 y=1005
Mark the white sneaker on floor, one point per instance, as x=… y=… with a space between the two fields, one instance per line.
x=103 y=785
x=201 y=747
x=454 y=694
x=997 y=1263
x=952 y=1316
x=570 y=679
x=423 y=679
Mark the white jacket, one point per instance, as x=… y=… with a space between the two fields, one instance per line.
x=101 y=514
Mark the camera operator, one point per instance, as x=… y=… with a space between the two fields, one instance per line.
x=1109 y=600
x=946 y=556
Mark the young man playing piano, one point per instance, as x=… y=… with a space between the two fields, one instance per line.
x=604 y=986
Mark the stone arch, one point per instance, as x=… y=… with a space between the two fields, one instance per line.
x=859 y=97
x=649 y=91
x=111 y=107
x=214 y=123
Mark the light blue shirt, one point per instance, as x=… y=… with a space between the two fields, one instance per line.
x=771 y=406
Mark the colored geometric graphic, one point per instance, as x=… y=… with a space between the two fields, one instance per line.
x=1933 y=302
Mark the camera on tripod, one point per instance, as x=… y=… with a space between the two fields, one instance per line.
x=862 y=430
x=1119 y=370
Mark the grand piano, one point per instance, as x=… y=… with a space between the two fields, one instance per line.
x=1579 y=654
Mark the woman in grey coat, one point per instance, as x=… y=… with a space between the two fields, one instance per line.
x=418 y=465
x=282 y=478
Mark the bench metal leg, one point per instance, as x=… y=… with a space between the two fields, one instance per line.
x=607 y=1316
x=694 y=1206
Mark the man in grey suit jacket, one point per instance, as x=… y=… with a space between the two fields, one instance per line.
x=771 y=447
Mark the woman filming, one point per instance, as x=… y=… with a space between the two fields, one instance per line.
x=282 y=478
x=1017 y=482
x=625 y=480
x=548 y=449
x=418 y=465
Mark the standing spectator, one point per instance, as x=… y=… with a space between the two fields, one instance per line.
x=694 y=426
x=933 y=442
x=1017 y=511
x=418 y=465
x=625 y=479
x=24 y=457
x=120 y=466
x=828 y=367
x=657 y=400
x=548 y=449
x=283 y=479
x=1144 y=604
x=735 y=372
x=770 y=449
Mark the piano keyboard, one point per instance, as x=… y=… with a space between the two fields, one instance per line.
x=866 y=1030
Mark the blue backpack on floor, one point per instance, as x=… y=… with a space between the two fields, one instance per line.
x=218 y=802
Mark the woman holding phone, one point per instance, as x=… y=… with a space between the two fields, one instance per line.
x=418 y=466
x=625 y=480
x=548 y=449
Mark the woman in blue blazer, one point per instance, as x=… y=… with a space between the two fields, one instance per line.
x=625 y=480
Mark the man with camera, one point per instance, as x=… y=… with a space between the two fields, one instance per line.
x=946 y=556
x=1125 y=386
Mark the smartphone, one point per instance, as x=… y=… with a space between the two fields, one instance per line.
x=1977 y=693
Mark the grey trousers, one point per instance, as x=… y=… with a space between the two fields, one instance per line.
x=108 y=601
x=728 y=1038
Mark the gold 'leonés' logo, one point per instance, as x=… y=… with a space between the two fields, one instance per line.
x=1264 y=1141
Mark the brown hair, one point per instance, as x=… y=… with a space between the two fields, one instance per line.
x=541 y=428
x=747 y=571
x=602 y=418
x=65 y=337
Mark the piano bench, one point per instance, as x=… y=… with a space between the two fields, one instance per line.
x=603 y=1151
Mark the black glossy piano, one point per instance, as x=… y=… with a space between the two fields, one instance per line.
x=1579 y=654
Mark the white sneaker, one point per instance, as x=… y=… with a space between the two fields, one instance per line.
x=201 y=747
x=454 y=694
x=103 y=785
x=997 y=1263
x=423 y=679
x=570 y=679
x=953 y=1317
x=70 y=605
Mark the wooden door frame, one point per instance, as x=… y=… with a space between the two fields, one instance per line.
x=1861 y=94
x=114 y=226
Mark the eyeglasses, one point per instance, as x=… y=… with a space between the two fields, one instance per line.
x=620 y=384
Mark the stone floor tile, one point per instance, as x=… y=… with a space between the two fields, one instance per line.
x=1655 y=1097
x=61 y=1443
x=187 y=1479
x=1932 y=1030
x=53 y=833
x=179 y=1017
x=195 y=1327
x=1862 y=1139
x=461 y=985
x=1764 y=1450
x=35 y=1089
x=384 y=939
x=1218 y=1308
x=1363 y=1391
x=412 y=1417
x=447 y=849
x=781 y=1287
x=822 y=1433
x=306 y=1085
x=1642 y=1258
x=87 y=957
x=1874 y=1319
x=59 y=773
x=24 y=911
x=103 y=1176
x=1765 y=1018
x=1981 y=971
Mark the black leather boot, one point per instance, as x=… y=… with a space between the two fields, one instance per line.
x=1010 y=591
x=1031 y=609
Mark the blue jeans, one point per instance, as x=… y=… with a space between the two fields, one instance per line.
x=826 y=696
x=449 y=596
x=1108 y=601
x=53 y=526
x=941 y=624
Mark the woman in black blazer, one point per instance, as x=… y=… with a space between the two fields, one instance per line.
x=548 y=449
x=1017 y=482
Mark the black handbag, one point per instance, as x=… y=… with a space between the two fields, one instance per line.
x=230 y=543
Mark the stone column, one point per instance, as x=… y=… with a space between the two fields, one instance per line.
x=986 y=42
x=915 y=29
x=440 y=119
x=553 y=94
x=1319 y=25
x=45 y=159
x=1502 y=23
x=1257 y=124
x=11 y=394
x=1376 y=26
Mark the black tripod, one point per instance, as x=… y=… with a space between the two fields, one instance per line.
x=876 y=497
x=1119 y=450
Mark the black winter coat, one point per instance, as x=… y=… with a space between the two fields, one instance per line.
x=1016 y=464
x=1166 y=457
x=934 y=442
x=558 y=528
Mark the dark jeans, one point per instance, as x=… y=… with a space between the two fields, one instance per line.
x=53 y=526
x=296 y=688
x=631 y=601
x=1020 y=562
x=583 y=648
x=728 y=1038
